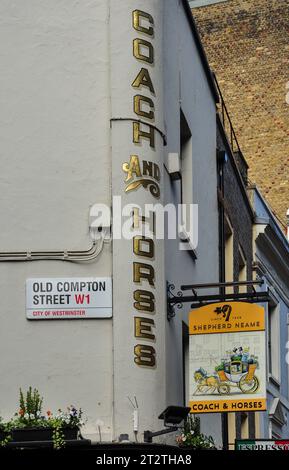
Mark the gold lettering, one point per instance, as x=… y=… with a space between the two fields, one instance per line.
x=137 y=15
x=144 y=301
x=147 y=168
x=143 y=271
x=144 y=355
x=157 y=173
x=139 y=244
x=137 y=220
x=143 y=328
x=132 y=168
x=151 y=169
x=139 y=53
x=142 y=246
x=138 y=134
x=143 y=79
x=137 y=106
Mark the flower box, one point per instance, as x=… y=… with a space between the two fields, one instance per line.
x=30 y=426
x=42 y=434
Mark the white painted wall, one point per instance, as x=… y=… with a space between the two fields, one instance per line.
x=66 y=69
x=55 y=163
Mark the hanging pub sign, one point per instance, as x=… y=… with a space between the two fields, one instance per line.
x=227 y=358
x=68 y=298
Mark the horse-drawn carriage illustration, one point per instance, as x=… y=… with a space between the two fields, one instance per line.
x=236 y=370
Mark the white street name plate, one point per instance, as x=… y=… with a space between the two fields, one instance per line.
x=68 y=298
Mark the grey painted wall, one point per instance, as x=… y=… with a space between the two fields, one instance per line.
x=186 y=88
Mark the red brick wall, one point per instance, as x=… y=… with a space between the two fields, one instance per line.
x=247 y=45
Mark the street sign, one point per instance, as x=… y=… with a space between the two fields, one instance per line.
x=68 y=298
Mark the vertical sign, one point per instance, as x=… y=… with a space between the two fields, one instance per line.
x=137 y=143
x=227 y=358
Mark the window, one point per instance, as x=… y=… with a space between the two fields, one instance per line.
x=229 y=253
x=244 y=426
x=186 y=164
x=232 y=430
x=186 y=228
x=277 y=418
x=274 y=342
x=242 y=270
